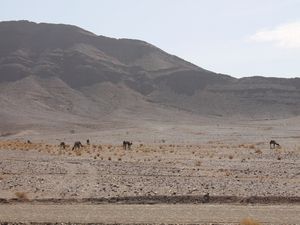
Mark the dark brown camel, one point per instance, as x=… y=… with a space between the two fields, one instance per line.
x=77 y=145
x=127 y=145
x=274 y=144
x=62 y=145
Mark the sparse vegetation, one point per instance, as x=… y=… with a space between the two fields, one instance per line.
x=249 y=221
x=22 y=196
x=258 y=151
x=198 y=163
x=251 y=146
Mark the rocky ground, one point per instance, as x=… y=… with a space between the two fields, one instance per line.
x=42 y=170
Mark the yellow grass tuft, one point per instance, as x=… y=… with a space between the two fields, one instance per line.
x=22 y=196
x=249 y=221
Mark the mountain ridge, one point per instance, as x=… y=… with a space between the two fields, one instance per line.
x=75 y=73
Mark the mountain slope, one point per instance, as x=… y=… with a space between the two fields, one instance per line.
x=56 y=72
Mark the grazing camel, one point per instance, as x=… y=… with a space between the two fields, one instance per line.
x=62 y=145
x=127 y=144
x=77 y=145
x=274 y=144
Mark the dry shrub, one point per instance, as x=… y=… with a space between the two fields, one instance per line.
x=109 y=158
x=251 y=146
x=22 y=196
x=258 y=151
x=198 y=163
x=227 y=173
x=230 y=157
x=249 y=221
x=120 y=159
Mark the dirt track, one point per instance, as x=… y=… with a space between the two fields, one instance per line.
x=162 y=213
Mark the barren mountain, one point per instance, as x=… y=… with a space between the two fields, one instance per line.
x=61 y=75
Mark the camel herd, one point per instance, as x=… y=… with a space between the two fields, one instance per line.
x=78 y=145
x=127 y=144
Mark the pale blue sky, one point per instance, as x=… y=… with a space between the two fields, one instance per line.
x=236 y=37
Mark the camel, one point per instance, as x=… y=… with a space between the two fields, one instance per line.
x=88 y=141
x=127 y=144
x=62 y=145
x=273 y=144
x=77 y=145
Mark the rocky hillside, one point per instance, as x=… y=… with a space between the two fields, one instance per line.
x=53 y=72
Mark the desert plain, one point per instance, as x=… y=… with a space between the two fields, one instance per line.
x=168 y=164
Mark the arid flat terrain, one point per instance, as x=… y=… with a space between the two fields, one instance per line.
x=169 y=164
x=148 y=214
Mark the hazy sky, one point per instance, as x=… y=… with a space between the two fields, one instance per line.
x=236 y=37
